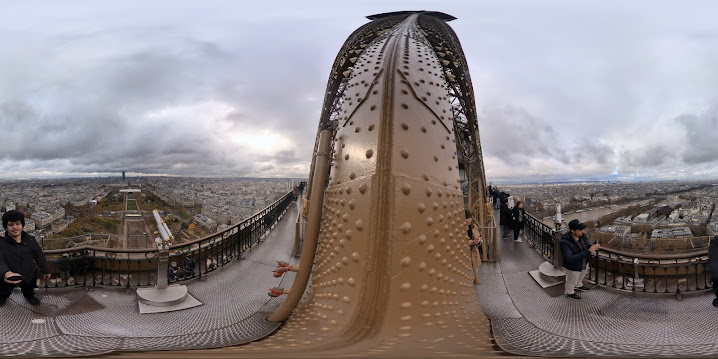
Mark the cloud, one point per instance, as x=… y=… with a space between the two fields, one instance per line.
x=157 y=89
x=701 y=137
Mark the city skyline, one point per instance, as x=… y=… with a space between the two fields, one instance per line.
x=565 y=91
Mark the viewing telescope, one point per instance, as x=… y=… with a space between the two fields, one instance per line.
x=164 y=231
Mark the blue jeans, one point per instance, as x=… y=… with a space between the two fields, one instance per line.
x=505 y=231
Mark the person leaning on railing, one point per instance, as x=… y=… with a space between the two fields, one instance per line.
x=713 y=265
x=576 y=252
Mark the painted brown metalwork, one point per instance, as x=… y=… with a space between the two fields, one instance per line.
x=393 y=269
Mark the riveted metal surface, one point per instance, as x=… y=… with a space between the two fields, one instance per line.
x=392 y=267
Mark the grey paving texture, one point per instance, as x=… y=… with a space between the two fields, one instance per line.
x=92 y=321
x=527 y=319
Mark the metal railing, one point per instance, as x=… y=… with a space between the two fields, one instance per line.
x=541 y=237
x=652 y=273
x=97 y=266
x=636 y=272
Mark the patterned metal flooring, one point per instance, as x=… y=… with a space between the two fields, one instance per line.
x=78 y=322
x=529 y=320
x=525 y=319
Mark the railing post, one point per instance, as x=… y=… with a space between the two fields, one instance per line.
x=163 y=257
x=557 y=258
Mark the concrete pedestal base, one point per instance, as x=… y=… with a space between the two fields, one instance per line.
x=547 y=275
x=156 y=300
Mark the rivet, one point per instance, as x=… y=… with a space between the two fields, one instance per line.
x=405 y=261
x=355 y=256
x=346 y=157
x=404 y=153
x=369 y=153
x=404 y=126
x=429 y=192
x=363 y=188
x=406 y=305
x=346 y=300
x=359 y=225
x=422 y=207
x=350 y=281
x=352 y=176
x=351 y=204
x=429 y=221
x=406 y=227
x=348 y=234
x=406 y=188
x=371 y=127
x=422 y=239
x=436 y=159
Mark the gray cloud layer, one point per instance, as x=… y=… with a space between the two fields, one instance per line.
x=227 y=88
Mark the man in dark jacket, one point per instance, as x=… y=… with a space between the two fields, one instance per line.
x=19 y=253
x=713 y=265
x=504 y=218
x=576 y=252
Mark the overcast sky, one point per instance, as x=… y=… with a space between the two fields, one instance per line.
x=565 y=89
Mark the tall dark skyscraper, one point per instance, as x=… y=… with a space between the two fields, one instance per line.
x=123 y=175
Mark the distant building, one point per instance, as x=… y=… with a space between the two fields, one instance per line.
x=42 y=219
x=60 y=225
x=618 y=230
x=679 y=232
x=123 y=175
x=206 y=222
x=29 y=225
x=659 y=211
x=247 y=202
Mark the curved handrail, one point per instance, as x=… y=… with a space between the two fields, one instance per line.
x=656 y=273
x=94 y=265
x=690 y=255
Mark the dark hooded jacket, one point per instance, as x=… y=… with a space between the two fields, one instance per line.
x=713 y=259
x=21 y=257
x=573 y=254
x=504 y=215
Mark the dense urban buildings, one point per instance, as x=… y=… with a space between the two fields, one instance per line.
x=662 y=209
x=216 y=202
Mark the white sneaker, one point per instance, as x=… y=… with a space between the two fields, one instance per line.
x=518 y=240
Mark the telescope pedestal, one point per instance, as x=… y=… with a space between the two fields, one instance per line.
x=164 y=298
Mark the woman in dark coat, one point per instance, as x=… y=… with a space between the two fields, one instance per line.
x=518 y=218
